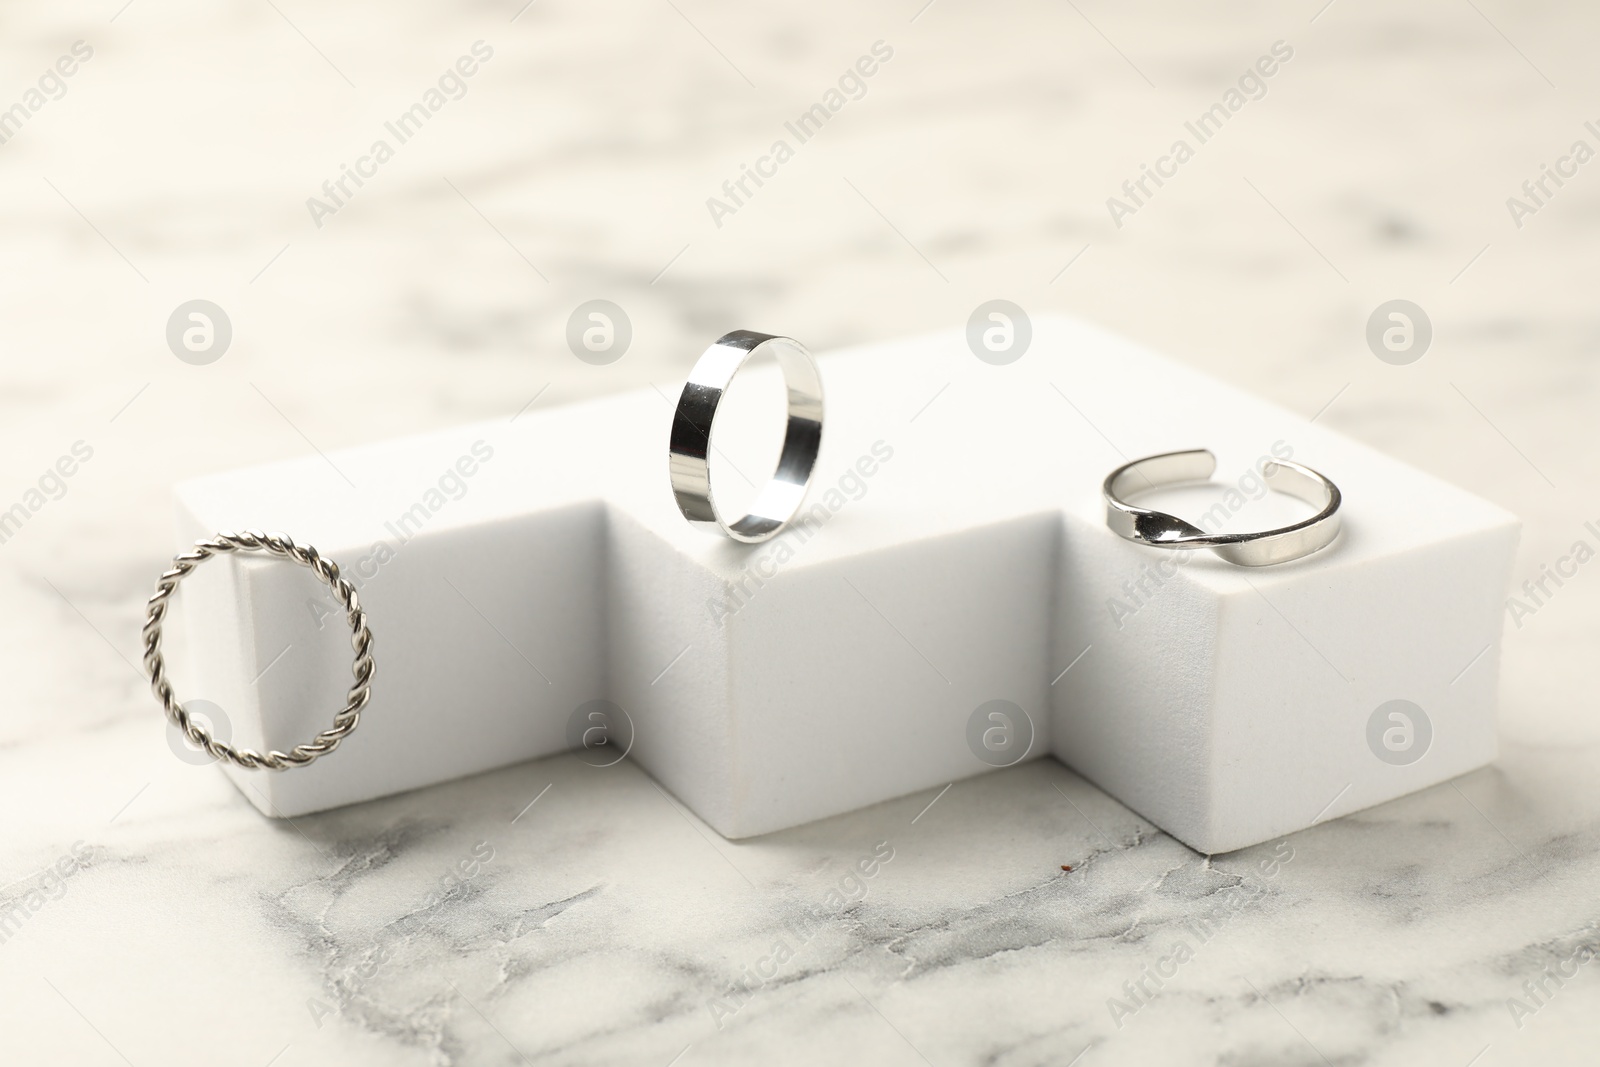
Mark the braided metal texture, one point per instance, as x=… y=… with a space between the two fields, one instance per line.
x=360 y=641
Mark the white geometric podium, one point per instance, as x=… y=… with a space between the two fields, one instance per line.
x=517 y=572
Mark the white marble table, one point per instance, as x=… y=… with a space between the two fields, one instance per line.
x=603 y=924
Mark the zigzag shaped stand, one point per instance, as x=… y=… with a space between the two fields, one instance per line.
x=956 y=555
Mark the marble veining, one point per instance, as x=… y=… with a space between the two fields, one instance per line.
x=559 y=913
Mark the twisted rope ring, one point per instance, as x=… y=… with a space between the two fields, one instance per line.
x=360 y=640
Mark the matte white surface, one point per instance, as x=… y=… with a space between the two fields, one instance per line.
x=960 y=560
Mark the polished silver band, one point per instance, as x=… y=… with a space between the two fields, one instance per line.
x=690 y=444
x=1160 y=530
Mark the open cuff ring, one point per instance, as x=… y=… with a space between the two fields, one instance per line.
x=690 y=444
x=1264 y=548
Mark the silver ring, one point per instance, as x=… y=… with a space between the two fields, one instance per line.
x=1160 y=530
x=692 y=423
x=360 y=641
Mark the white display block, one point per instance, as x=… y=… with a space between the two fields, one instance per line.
x=955 y=554
x=1231 y=705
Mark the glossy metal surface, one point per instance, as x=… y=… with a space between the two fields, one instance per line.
x=360 y=640
x=1160 y=530
x=690 y=443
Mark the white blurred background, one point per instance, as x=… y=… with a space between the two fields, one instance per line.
x=578 y=164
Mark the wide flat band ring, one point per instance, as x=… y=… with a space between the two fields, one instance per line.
x=1160 y=530
x=690 y=445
